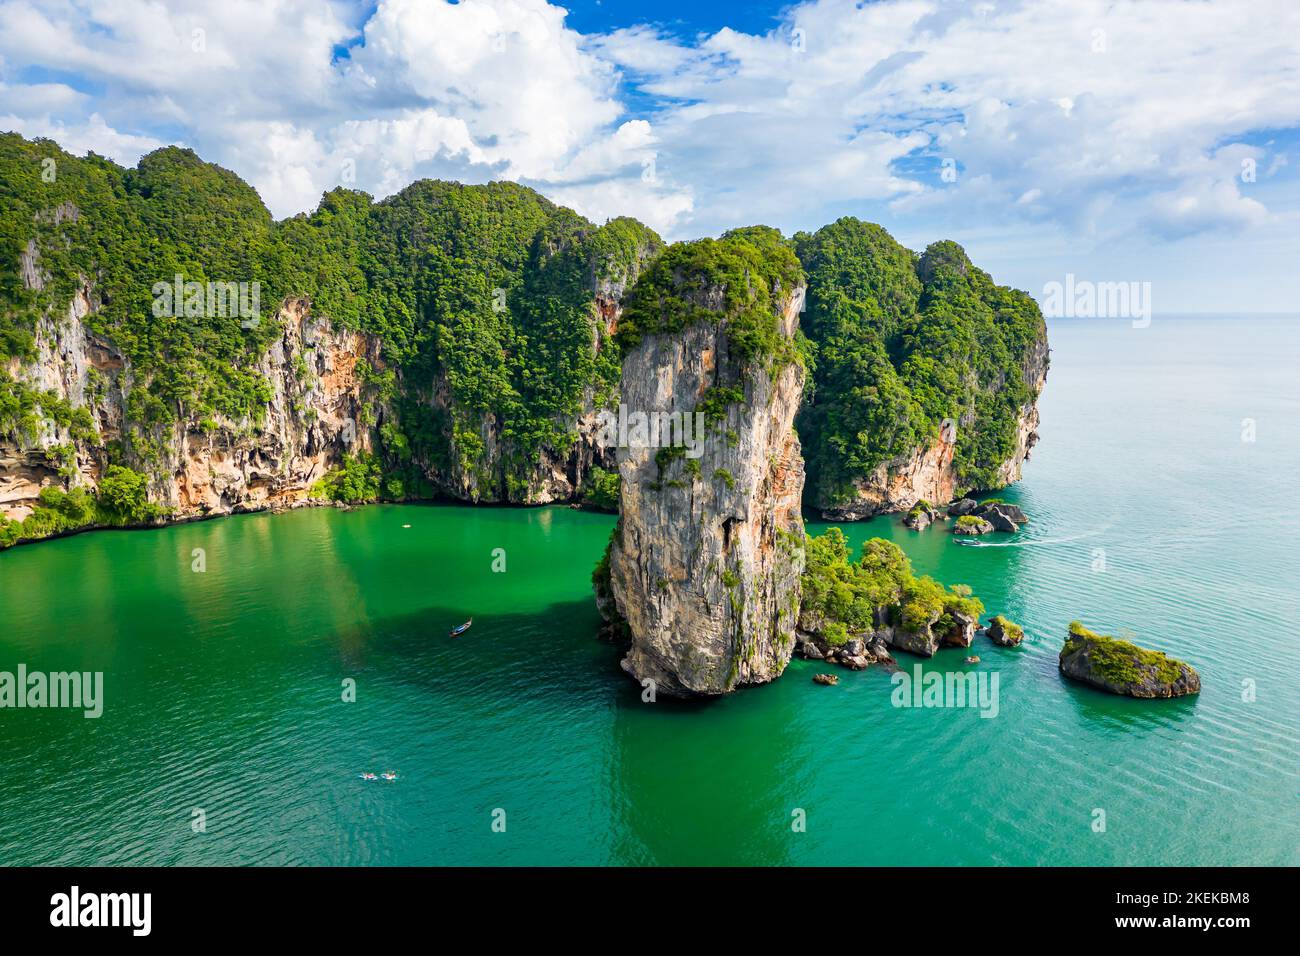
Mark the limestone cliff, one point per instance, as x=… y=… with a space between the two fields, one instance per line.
x=196 y=468
x=930 y=473
x=319 y=410
x=505 y=473
x=927 y=373
x=317 y=413
x=925 y=475
x=703 y=571
x=455 y=333
x=465 y=336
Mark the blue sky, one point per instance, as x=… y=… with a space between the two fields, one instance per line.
x=682 y=17
x=1153 y=142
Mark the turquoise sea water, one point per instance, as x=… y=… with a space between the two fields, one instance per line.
x=223 y=688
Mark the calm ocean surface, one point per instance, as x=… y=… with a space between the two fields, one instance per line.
x=223 y=689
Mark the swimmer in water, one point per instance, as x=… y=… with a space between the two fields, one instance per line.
x=389 y=775
x=367 y=776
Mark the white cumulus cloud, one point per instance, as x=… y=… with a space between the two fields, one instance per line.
x=1092 y=117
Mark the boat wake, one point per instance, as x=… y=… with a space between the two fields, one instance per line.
x=1033 y=542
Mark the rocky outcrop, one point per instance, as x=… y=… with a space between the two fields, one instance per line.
x=1121 y=667
x=926 y=640
x=962 y=631
x=873 y=646
x=995 y=515
x=703 y=573
x=1004 y=633
x=1003 y=516
x=921 y=516
x=857 y=653
x=971 y=525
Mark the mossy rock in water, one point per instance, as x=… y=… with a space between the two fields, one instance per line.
x=1005 y=633
x=1122 y=667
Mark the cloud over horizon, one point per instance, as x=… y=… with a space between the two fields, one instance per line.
x=1093 y=120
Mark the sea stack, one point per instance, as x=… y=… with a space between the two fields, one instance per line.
x=702 y=576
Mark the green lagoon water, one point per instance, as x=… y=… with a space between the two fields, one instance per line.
x=223 y=688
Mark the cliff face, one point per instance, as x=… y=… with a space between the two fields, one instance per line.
x=930 y=472
x=1034 y=373
x=898 y=484
x=319 y=410
x=927 y=373
x=315 y=416
x=67 y=359
x=507 y=474
x=213 y=467
x=704 y=568
x=503 y=473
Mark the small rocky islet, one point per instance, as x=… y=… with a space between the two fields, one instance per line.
x=1005 y=633
x=1122 y=667
x=969 y=517
x=954 y=627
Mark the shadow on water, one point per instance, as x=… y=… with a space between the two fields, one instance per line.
x=681 y=777
x=518 y=655
x=675 y=779
x=697 y=782
x=1128 y=713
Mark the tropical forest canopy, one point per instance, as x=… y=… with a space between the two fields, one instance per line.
x=489 y=286
x=490 y=291
x=902 y=343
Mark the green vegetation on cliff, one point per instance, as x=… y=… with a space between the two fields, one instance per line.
x=741 y=278
x=488 y=292
x=601 y=489
x=482 y=294
x=355 y=481
x=902 y=343
x=70 y=220
x=1014 y=631
x=122 y=500
x=849 y=596
x=492 y=307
